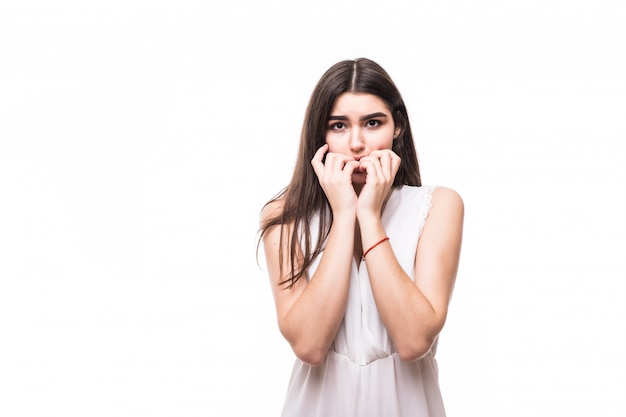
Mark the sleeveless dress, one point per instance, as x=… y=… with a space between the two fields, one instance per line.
x=362 y=374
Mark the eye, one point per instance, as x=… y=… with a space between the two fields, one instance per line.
x=373 y=123
x=337 y=126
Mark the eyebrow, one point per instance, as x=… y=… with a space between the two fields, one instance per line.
x=366 y=117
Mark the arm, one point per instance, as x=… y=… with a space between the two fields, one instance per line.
x=414 y=312
x=309 y=313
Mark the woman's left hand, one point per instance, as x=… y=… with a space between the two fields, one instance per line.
x=380 y=167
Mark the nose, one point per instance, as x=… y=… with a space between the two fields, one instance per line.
x=356 y=140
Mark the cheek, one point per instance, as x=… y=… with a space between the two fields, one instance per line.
x=384 y=142
x=333 y=145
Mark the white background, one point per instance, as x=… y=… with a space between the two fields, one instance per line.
x=140 y=139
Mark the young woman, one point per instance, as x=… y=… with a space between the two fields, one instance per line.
x=361 y=257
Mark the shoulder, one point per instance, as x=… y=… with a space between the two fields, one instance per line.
x=443 y=227
x=444 y=196
x=446 y=207
x=272 y=210
x=433 y=195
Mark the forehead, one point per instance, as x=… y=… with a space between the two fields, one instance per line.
x=358 y=103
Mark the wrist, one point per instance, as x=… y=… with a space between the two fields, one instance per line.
x=371 y=232
x=373 y=246
x=368 y=221
x=344 y=218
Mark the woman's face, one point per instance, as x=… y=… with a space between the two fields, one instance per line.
x=358 y=124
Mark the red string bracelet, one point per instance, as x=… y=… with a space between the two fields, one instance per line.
x=373 y=246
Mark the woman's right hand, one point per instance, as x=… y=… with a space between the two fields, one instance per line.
x=335 y=177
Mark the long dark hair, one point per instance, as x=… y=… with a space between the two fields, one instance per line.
x=304 y=197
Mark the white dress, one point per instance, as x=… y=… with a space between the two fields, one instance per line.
x=362 y=374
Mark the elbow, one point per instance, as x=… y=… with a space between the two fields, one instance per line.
x=416 y=350
x=420 y=343
x=310 y=355
x=306 y=348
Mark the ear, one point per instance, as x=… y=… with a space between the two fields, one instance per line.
x=396 y=132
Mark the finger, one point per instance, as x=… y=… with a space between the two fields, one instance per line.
x=389 y=161
x=379 y=153
x=350 y=167
x=396 y=161
x=385 y=164
x=318 y=165
x=371 y=165
x=337 y=161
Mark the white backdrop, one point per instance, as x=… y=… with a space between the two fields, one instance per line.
x=139 y=140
